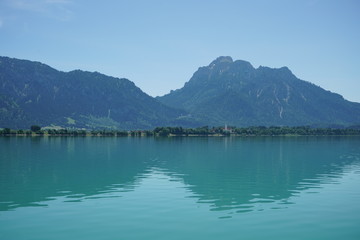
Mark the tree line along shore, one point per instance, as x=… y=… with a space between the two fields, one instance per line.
x=179 y=131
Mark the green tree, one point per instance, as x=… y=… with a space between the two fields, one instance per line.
x=6 y=131
x=35 y=128
x=20 y=131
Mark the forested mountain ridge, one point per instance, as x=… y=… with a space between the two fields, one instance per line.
x=34 y=93
x=224 y=92
x=236 y=93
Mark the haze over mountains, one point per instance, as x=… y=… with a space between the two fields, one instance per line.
x=224 y=92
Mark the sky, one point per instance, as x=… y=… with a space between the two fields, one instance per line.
x=159 y=44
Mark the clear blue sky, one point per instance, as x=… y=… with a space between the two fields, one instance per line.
x=159 y=44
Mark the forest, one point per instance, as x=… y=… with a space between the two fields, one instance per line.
x=180 y=131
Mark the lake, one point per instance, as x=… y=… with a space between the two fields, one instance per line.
x=179 y=188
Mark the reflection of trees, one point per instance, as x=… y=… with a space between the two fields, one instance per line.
x=229 y=172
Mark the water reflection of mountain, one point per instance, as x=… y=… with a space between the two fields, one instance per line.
x=229 y=173
x=225 y=172
x=35 y=169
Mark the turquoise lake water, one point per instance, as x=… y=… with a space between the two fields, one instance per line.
x=179 y=188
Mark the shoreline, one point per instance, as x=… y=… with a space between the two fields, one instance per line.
x=175 y=136
x=205 y=131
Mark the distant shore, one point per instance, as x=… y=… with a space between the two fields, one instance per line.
x=185 y=132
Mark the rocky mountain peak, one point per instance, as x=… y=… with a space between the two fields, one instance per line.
x=236 y=93
x=222 y=59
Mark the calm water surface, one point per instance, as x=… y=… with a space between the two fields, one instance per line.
x=180 y=188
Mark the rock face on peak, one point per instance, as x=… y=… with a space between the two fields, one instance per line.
x=34 y=93
x=235 y=93
x=222 y=59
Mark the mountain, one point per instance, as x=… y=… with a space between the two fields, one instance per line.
x=34 y=93
x=235 y=93
x=224 y=92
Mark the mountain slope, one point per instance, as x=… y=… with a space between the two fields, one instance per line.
x=34 y=93
x=235 y=93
